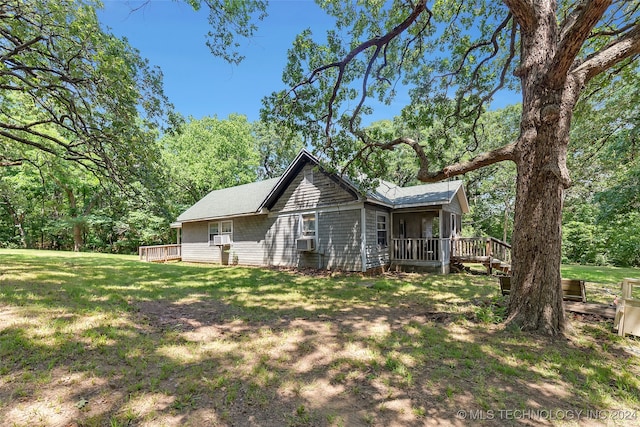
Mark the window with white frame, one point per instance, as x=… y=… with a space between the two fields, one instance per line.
x=220 y=228
x=381 y=228
x=308 y=225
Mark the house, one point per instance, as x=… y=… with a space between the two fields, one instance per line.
x=312 y=218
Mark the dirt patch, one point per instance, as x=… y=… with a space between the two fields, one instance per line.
x=202 y=361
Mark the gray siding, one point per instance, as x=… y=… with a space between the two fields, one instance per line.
x=195 y=243
x=249 y=239
x=454 y=206
x=301 y=194
x=264 y=241
x=280 y=244
x=340 y=240
x=376 y=256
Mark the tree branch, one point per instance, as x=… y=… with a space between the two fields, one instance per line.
x=626 y=46
x=524 y=12
x=501 y=154
x=377 y=42
x=577 y=28
x=5 y=162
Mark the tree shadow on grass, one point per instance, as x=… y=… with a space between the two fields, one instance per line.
x=152 y=344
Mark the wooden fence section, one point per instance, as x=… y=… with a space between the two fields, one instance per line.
x=160 y=253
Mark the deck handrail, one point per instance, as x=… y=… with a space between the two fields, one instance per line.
x=160 y=253
x=480 y=247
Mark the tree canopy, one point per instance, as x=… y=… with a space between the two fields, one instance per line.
x=72 y=90
x=456 y=56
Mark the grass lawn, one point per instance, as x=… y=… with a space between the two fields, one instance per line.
x=104 y=340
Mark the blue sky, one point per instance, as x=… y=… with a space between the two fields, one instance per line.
x=172 y=36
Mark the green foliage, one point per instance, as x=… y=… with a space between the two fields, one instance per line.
x=72 y=90
x=54 y=204
x=600 y=220
x=375 y=47
x=230 y=19
x=208 y=154
x=276 y=147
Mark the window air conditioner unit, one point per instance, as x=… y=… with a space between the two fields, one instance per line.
x=306 y=244
x=222 y=240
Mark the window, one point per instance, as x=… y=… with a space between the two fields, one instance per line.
x=220 y=228
x=309 y=225
x=381 y=227
x=213 y=230
x=226 y=227
x=454 y=228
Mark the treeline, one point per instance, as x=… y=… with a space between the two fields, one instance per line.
x=93 y=157
x=51 y=203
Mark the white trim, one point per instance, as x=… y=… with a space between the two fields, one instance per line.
x=385 y=215
x=315 y=224
x=334 y=208
x=390 y=246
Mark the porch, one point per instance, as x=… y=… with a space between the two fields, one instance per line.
x=421 y=239
x=420 y=254
x=437 y=254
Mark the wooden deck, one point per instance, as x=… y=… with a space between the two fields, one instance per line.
x=491 y=252
x=603 y=310
x=160 y=253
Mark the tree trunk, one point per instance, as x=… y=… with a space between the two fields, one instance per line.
x=536 y=291
x=78 y=240
x=18 y=220
x=540 y=156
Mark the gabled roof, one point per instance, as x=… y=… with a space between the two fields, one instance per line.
x=292 y=171
x=249 y=199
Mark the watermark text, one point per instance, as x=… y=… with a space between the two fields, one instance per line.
x=547 y=414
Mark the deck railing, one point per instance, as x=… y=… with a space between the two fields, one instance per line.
x=480 y=248
x=476 y=249
x=160 y=253
x=421 y=249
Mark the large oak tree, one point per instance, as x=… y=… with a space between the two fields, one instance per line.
x=548 y=50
